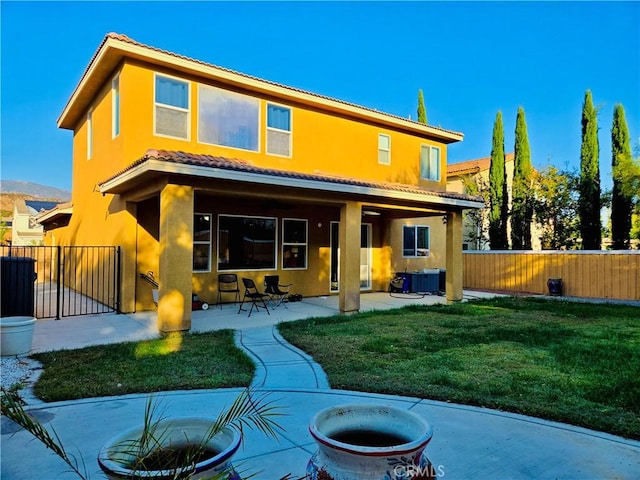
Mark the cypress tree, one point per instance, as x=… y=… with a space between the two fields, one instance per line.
x=522 y=200
x=589 y=188
x=622 y=198
x=422 y=111
x=499 y=209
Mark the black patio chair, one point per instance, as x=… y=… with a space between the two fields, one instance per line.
x=228 y=283
x=251 y=292
x=277 y=292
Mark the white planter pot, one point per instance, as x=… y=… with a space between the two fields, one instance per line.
x=177 y=433
x=16 y=335
x=369 y=442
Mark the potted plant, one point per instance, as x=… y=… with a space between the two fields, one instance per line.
x=369 y=442
x=167 y=448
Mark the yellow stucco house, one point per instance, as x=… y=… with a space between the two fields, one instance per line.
x=196 y=170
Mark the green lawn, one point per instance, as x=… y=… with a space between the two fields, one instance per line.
x=570 y=362
x=173 y=362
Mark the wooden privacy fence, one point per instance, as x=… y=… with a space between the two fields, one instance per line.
x=589 y=274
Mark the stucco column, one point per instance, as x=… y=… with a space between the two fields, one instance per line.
x=350 y=221
x=176 y=258
x=454 y=257
x=128 y=265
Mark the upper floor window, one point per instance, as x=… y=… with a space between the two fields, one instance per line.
x=294 y=243
x=89 y=134
x=415 y=241
x=430 y=163
x=384 y=149
x=228 y=119
x=115 y=107
x=278 y=130
x=171 y=107
x=201 y=242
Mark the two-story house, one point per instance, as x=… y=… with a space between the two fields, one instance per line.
x=25 y=229
x=477 y=170
x=197 y=170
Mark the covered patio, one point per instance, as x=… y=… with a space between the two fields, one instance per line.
x=162 y=192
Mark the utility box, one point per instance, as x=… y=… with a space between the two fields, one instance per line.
x=17 y=289
x=425 y=281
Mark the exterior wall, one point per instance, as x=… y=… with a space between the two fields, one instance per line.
x=612 y=274
x=437 y=245
x=22 y=233
x=322 y=142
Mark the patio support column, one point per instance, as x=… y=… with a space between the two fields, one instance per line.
x=350 y=221
x=454 y=257
x=176 y=258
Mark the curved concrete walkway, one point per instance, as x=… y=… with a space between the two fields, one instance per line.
x=278 y=363
x=468 y=442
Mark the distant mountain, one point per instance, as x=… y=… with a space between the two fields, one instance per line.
x=34 y=190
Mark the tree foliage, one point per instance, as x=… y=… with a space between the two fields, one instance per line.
x=589 y=187
x=422 y=111
x=498 y=195
x=555 y=208
x=476 y=221
x=625 y=181
x=522 y=198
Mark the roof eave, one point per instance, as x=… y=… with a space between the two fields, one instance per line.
x=119 y=183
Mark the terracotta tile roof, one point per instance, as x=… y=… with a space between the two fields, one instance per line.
x=239 y=165
x=126 y=39
x=473 y=166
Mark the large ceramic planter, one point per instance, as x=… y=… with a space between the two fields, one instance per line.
x=16 y=335
x=177 y=433
x=369 y=442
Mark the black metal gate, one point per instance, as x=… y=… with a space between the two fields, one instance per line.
x=73 y=280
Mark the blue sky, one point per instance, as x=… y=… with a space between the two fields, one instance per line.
x=470 y=58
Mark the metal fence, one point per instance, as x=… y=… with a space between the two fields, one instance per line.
x=73 y=280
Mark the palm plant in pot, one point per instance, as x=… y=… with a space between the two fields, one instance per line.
x=168 y=448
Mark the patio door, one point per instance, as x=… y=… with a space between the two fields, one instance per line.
x=365 y=257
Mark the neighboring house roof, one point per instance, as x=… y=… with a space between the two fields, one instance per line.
x=471 y=167
x=208 y=166
x=54 y=214
x=115 y=47
x=39 y=206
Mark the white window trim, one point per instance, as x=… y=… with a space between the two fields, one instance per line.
x=210 y=242
x=415 y=246
x=290 y=131
x=171 y=107
x=90 y=134
x=305 y=244
x=200 y=85
x=115 y=106
x=385 y=150
x=275 y=219
x=431 y=149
